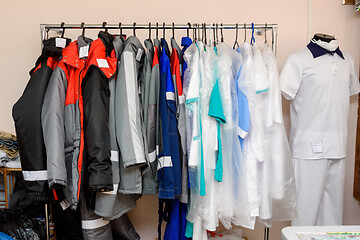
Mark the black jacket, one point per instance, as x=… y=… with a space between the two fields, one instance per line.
x=96 y=96
x=27 y=116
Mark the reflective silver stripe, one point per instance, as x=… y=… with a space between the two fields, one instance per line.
x=164 y=162
x=35 y=175
x=114 y=156
x=170 y=96
x=113 y=192
x=152 y=156
x=131 y=91
x=93 y=224
x=241 y=132
x=157 y=150
x=181 y=99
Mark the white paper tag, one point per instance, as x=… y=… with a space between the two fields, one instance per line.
x=84 y=51
x=65 y=204
x=139 y=54
x=114 y=156
x=60 y=42
x=102 y=63
x=317 y=147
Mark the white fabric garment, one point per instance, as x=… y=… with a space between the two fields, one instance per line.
x=208 y=210
x=228 y=66
x=320 y=191
x=319 y=89
x=192 y=81
x=278 y=199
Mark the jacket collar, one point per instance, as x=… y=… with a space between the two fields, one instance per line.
x=186 y=42
x=150 y=50
x=318 y=51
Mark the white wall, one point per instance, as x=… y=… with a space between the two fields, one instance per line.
x=20 y=47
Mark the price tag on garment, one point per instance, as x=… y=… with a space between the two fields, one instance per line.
x=64 y=204
x=317 y=147
x=114 y=157
x=139 y=54
x=102 y=63
x=84 y=51
x=60 y=42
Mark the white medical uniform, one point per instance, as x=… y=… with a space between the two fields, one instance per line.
x=319 y=84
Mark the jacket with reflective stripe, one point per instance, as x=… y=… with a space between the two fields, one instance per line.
x=129 y=127
x=27 y=117
x=169 y=169
x=63 y=115
x=112 y=205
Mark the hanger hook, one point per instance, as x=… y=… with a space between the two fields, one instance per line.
x=134 y=26
x=198 y=29
x=217 y=33
x=104 y=26
x=83 y=29
x=265 y=32
x=164 y=30
x=63 y=29
x=214 y=32
x=205 y=33
x=149 y=30
x=236 y=36
x=252 y=34
x=188 y=29
x=157 y=30
x=120 y=29
x=195 y=31
x=222 y=36
x=245 y=32
x=173 y=30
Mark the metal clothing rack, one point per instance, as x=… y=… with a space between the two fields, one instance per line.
x=44 y=28
x=262 y=28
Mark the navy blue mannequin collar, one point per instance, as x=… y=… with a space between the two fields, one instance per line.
x=318 y=51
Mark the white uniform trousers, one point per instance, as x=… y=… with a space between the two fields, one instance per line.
x=320 y=191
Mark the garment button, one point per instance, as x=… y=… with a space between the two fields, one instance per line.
x=77 y=64
x=335 y=71
x=65 y=60
x=78 y=60
x=110 y=74
x=65 y=56
x=333 y=62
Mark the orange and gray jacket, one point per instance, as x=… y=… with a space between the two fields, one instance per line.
x=27 y=117
x=74 y=119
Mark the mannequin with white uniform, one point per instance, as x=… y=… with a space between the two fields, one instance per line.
x=319 y=80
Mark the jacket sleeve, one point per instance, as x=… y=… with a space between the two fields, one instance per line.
x=52 y=118
x=96 y=97
x=127 y=105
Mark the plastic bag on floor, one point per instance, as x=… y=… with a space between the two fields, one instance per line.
x=17 y=225
x=231 y=234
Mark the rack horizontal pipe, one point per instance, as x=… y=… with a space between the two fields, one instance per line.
x=160 y=26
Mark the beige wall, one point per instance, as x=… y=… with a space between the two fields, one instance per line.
x=20 y=46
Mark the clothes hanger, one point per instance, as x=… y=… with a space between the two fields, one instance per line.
x=221 y=32
x=187 y=30
x=265 y=33
x=236 y=37
x=104 y=26
x=217 y=37
x=83 y=29
x=324 y=37
x=164 y=30
x=150 y=31
x=134 y=26
x=245 y=32
x=214 y=32
x=204 y=31
x=63 y=29
x=120 y=29
x=194 y=32
x=173 y=30
x=198 y=28
x=252 y=34
x=157 y=30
